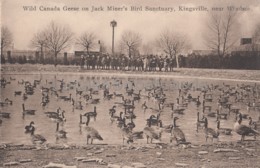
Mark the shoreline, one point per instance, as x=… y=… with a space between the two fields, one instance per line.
x=252 y=76
x=217 y=154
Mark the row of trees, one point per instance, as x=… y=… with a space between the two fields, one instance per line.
x=220 y=35
x=237 y=60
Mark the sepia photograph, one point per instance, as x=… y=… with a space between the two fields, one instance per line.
x=130 y=84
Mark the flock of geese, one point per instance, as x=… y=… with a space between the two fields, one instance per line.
x=223 y=96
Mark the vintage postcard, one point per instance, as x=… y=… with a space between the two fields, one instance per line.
x=130 y=83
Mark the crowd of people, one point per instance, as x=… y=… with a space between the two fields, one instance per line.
x=146 y=63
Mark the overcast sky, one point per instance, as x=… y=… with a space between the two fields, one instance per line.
x=149 y=25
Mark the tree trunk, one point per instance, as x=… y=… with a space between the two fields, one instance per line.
x=177 y=61
x=129 y=52
x=41 y=59
x=2 y=47
x=55 y=58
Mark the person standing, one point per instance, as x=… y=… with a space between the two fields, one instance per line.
x=145 y=63
x=82 y=61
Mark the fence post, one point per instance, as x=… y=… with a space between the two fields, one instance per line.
x=9 y=57
x=37 y=54
x=65 y=59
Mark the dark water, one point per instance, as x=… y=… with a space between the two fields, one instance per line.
x=12 y=129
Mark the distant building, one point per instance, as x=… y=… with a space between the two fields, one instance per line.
x=34 y=54
x=244 y=41
x=27 y=53
x=246 y=45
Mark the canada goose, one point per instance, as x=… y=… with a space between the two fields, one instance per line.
x=44 y=89
x=221 y=115
x=130 y=136
x=130 y=106
x=79 y=92
x=251 y=123
x=17 y=93
x=37 y=81
x=92 y=114
x=136 y=96
x=118 y=94
x=91 y=132
x=94 y=101
x=114 y=118
x=137 y=135
x=131 y=124
x=144 y=106
x=243 y=130
x=176 y=111
x=4 y=115
x=200 y=123
x=20 y=82
x=152 y=120
x=36 y=138
x=225 y=131
x=198 y=103
x=65 y=98
x=8 y=101
x=126 y=101
x=60 y=133
x=112 y=110
x=211 y=114
x=12 y=78
x=126 y=133
x=189 y=97
x=177 y=133
x=73 y=82
x=255 y=124
x=245 y=116
x=29 y=128
x=250 y=106
x=120 y=120
x=130 y=92
x=25 y=97
x=181 y=104
x=27 y=112
x=59 y=118
x=129 y=114
x=78 y=104
x=108 y=96
x=151 y=133
x=44 y=102
x=52 y=114
x=209 y=132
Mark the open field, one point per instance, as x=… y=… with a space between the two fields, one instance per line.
x=253 y=75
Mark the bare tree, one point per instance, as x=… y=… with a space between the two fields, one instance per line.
x=131 y=42
x=172 y=44
x=102 y=46
x=220 y=34
x=6 y=38
x=39 y=42
x=57 y=38
x=87 y=40
x=256 y=38
x=148 y=48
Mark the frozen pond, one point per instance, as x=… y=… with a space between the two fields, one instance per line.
x=12 y=129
